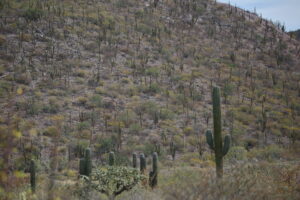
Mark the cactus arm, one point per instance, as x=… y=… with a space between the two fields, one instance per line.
x=209 y=139
x=226 y=145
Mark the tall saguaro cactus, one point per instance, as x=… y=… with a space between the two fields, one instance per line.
x=85 y=164
x=153 y=174
x=134 y=160
x=32 y=176
x=142 y=163
x=111 y=159
x=215 y=141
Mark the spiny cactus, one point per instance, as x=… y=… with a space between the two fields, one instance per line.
x=88 y=161
x=142 y=163
x=82 y=166
x=153 y=174
x=134 y=160
x=173 y=150
x=215 y=141
x=111 y=159
x=85 y=164
x=32 y=176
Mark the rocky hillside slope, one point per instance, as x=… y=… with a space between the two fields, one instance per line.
x=136 y=75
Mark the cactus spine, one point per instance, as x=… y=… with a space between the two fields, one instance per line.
x=142 y=163
x=215 y=140
x=111 y=159
x=32 y=176
x=134 y=160
x=154 y=172
x=85 y=164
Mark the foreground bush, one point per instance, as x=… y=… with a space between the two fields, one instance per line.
x=112 y=181
x=247 y=182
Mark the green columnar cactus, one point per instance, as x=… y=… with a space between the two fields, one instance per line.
x=173 y=150
x=88 y=162
x=85 y=164
x=134 y=160
x=142 y=163
x=32 y=176
x=111 y=160
x=215 y=141
x=82 y=166
x=153 y=174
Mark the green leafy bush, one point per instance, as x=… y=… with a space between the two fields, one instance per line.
x=236 y=153
x=33 y=14
x=112 y=181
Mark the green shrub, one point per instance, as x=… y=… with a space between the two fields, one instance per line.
x=135 y=128
x=52 y=107
x=81 y=101
x=112 y=181
x=79 y=148
x=105 y=145
x=236 y=153
x=96 y=101
x=51 y=131
x=33 y=14
x=166 y=114
x=269 y=153
x=83 y=126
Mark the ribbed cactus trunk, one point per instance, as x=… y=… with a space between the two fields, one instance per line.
x=153 y=174
x=88 y=162
x=111 y=160
x=142 y=163
x=85 y=164
x=82 y=166
x=217 y=131
x=32 y=176
x=134 y=160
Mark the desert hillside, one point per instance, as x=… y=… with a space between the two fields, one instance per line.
x=136 y=76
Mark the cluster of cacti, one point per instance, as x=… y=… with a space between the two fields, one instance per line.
x=111 y=159
x=153 y=174
x=32 y=176
x=215 y=140
x=85 y=164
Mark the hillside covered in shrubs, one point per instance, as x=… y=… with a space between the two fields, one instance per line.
x=116 y=99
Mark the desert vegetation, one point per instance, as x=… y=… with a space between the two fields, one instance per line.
x=146 y=99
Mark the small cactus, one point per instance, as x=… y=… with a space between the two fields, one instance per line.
x=85 y=164
x=215 y=140
x=111 y=159
x=134 y=160
x=142 y=163
x=88 y=162
x=82 y=166
x=153 y=174
x=173 y=150
x=32 y=176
